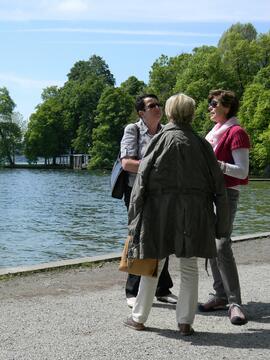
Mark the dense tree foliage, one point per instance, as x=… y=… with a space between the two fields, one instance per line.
x=10 y=131
x=88 y=114
x=46 y=135
x=7 y=105
x=133 y=86
x=255 y=116
x=113 y=111
x=63 y=122
x=164 y=74
x=80 y=99
x=242 y=31
x=94 y=66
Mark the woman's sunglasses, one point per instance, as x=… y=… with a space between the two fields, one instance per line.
x=213 y=103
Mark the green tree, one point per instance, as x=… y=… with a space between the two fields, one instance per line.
x=113 y=112
x=241 y=54
x=202 y=122
x=46 y=136
x=236 y=32
x=69 y=110
x=260 y=154
x=204 y=72
x=50 y=92
x=17 y=118
x=7 y=105
x=94 y=66
x=133 y=86
x=80 y=99
x=164 y=73
x=10 y=132
x=10 y=141
x=80 y=96
x=243 y=62
x=263 y=42
x=254 y=115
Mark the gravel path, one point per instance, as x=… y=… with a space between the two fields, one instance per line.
x=78 y=313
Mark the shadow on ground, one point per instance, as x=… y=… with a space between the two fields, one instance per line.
x=250 y=339
x=256 y=312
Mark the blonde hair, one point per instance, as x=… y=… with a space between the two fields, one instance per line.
x=180 y=108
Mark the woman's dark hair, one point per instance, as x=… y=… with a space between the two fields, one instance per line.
x=139 y=103
x=227 y=99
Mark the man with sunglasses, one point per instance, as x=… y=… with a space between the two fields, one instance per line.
x=231 y=145
x=133 y=145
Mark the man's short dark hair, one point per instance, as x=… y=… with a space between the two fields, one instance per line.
x=139 y=103
x=227 y=99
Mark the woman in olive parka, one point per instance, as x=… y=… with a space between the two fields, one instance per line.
x=172 y=210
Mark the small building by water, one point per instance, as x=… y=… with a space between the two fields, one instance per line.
x=73 y=161
x=80 y=161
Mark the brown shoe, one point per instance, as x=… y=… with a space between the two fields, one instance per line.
x=185 y=329
x=214 y=303
x=134 y=324
x=236 y=315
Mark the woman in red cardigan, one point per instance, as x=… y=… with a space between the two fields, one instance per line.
x=231 y=145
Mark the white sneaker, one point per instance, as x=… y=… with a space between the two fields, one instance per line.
x=131 y=301
x=170 y=299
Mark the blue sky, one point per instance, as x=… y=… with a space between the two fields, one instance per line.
x=41 y=40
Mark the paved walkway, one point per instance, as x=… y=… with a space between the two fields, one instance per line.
x=77 y=314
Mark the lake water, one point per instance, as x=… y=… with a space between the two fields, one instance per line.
x=48 y=215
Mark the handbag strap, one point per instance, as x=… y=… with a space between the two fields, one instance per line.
x=138 y=133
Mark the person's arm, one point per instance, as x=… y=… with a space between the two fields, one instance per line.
x=240 y=167
x=129 y=149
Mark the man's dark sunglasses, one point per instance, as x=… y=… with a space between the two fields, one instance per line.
x=152 y=106
x=213 y=103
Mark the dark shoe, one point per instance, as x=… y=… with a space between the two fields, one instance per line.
x=236 y=315
x=169 y=299
x=185 y=329
x=214 y=303
x=134 y=324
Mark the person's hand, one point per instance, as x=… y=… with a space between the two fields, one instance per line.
x=222 y=166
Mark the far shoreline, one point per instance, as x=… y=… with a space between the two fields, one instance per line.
x=65 y=167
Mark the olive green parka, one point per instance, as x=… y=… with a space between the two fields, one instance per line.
x=172 y=202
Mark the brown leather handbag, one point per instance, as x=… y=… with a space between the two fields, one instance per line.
x=145 y=267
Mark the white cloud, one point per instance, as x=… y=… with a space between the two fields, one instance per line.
x=72 y=6
x=9 y=78
x=127 y=42
x=119 y=32
x=136 y=11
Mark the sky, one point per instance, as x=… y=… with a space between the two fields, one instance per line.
x=41 y=40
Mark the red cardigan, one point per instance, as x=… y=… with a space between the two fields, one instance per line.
x=234 y=138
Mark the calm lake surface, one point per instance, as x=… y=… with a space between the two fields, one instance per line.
x=48 y=215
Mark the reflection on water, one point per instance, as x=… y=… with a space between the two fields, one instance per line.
x=50 y=215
